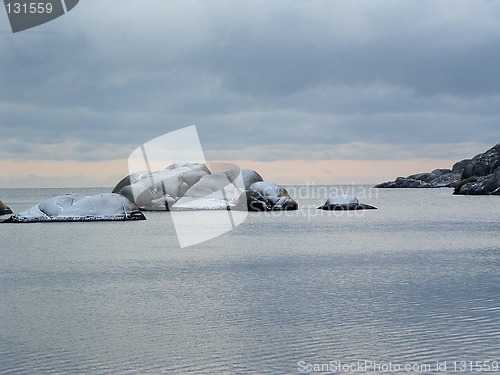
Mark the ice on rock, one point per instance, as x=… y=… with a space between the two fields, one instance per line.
x=75 y=207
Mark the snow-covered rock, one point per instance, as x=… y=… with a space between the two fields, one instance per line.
x=75 y=207
x=160 y=190
x=219 y=191
x=267 y=196
x=192 y=186
x=344 y=202
x=213 y=192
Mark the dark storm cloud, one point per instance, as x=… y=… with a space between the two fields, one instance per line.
x=253 y=73
x=428 y=61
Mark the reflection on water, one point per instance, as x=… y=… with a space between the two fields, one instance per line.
x=416 y=281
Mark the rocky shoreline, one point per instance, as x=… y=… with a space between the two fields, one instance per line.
x=477 y=176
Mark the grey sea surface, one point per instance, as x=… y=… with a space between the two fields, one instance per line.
x=416 y=282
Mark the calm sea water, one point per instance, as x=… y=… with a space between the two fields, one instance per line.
x=415 y=282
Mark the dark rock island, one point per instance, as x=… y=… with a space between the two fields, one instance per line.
x=344 y=202
x=477 y=176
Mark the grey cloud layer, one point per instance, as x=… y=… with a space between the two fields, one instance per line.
x=247 y=73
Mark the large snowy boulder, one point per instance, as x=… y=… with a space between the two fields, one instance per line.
x=219 y=191
x=160 y=190
x=212 y=192
x=4 y=210
x=193 y=186
x=266 y=196
x=344 y=202
x=249 y=176
x=75 y=207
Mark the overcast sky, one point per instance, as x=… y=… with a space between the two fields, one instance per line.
x=264 y=81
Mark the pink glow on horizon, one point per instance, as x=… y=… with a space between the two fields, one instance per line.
x=41 y=173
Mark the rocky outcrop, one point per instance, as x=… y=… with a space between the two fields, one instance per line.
x=192 y=186
x=74 y=207
x=345 y=202
x=481 y=175
x=4 y=210
x=436 y=179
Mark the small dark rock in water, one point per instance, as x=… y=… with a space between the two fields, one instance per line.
x=4 y=210
x=345 y=202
